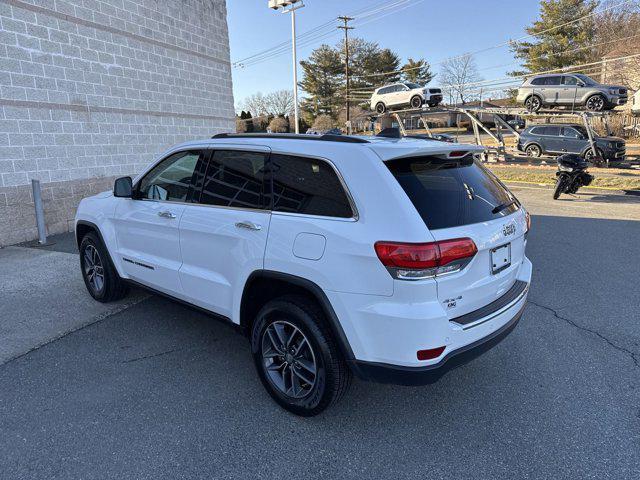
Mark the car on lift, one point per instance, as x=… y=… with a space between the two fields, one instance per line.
x=404 y=94
x=538 y=140
x=569 y=90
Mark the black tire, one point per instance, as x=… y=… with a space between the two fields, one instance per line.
x=533 y=103
x=332 y=377
x=560 y=183
x=589 y=156
x=596 y=103
x=533 y=150
x=381 y=108
x=416 y=102
x=112 y=287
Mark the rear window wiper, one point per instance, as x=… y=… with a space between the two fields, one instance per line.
x=502 y=206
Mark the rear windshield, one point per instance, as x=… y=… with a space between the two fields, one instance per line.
x=449 y=193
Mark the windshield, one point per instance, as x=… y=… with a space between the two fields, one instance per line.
x=586 y=80
x=413 y=85
x=450 y=193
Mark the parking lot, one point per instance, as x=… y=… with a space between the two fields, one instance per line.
x=150 y=389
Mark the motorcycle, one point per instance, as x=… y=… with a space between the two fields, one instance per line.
x=571 y=175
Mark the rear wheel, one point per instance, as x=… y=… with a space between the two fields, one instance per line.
x=595 y=103
x=99 y=275
x=594 y=158
x=533 y=151
x=416 y=102
x=381 y=108
x=533 y=103
x=296 y=356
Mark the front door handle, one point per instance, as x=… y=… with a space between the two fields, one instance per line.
x=249 y=225
x=167 y=214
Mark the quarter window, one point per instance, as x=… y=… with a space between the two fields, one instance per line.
x=308 y=186
x=172 y=178
x=234 y=179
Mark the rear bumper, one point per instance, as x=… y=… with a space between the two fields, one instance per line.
x=399 y=375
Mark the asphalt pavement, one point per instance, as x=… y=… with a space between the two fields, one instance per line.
x=155 y=390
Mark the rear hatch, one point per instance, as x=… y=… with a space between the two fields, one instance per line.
x=459 y=198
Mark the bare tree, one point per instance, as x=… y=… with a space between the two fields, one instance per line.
x=275 y=103
x=457 y=73
x=279 y=102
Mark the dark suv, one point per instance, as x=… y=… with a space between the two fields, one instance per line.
x=568 y=138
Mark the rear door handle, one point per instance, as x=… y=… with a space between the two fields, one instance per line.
x=249 y=225
x=167 y=214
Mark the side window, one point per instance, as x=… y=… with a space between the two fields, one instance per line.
x=234 y=179
x=172 y=178
x=553 y=131
x=570 y=132
x=538 y=81
x=309 y=186
x=569 y=81
x=555 y=80
x=538 y=130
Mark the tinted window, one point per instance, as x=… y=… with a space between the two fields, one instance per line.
x=171 y=178
x=234 y=179
x=569 y=81
x=538 y=81
x=555 y=80
x=552 y=131
x=304 y=185
x=450 y=193
x=538 y=131
x=570 y=132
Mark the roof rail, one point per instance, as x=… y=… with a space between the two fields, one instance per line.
x=327 y=137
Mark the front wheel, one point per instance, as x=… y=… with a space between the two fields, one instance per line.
x=416 y=102
x=533 y=103
x=296 y=356
x=99 y=275
x=560 y=186
x=595 y=103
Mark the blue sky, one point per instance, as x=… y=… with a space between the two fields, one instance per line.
x=430 y=29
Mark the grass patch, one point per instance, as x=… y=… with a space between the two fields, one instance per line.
x=610 y=178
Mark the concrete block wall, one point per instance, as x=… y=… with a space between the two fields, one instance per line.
x=95 y=89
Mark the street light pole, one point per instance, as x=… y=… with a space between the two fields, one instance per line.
x=295 y=67
x=290 y=6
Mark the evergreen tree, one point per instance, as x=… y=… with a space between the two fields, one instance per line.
x=559 y=47
x=417 y=71
x=322 y=79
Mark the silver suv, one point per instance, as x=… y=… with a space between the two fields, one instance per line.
x=574 y=89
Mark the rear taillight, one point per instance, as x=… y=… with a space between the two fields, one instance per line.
x=416 y=261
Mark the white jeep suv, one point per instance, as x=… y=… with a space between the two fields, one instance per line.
x=404 y=94
x=391 y=259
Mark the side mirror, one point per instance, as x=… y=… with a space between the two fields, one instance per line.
x=123 y=187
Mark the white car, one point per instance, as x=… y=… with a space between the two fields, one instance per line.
x=391 y=259
x=404 y=94
x=635 y=105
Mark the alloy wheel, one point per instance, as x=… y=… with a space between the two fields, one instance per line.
x=288 y=359
x=93 y=268
x=533 y=151
x=595 y=103
x=533 y=104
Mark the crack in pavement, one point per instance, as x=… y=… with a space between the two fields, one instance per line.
x=98 y=318
x=632 y=354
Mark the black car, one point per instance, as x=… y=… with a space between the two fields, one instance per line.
x=537 y=140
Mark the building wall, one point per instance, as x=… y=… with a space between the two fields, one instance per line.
x=95 y=89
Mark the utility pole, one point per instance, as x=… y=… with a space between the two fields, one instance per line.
x=346 y=29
